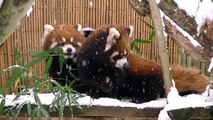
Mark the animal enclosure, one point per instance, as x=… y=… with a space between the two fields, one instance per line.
x=88 y=13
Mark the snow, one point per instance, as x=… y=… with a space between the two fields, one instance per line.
x=175 y=101
x=211 y=65
x=201 y=10
x=47 y=98
x=30 y=10
x=184 y=33
x=1 y=2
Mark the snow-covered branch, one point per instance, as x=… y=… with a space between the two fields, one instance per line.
x=11 y=14
x=193 y=17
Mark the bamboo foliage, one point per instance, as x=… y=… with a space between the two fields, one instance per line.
x=88 y=13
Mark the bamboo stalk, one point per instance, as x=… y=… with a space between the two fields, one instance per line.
x=161 y=44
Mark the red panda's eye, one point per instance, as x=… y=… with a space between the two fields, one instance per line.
x=61 y=43
x=75 y=44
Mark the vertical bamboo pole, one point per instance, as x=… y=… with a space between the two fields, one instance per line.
x=161 y=44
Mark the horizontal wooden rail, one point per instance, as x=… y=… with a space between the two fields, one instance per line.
x=124 y=113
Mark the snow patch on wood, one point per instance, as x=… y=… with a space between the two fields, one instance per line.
x=184 y=33
x=175 y=101
x=202 y=11
x=1 y=2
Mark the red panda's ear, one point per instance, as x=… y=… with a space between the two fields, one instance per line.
x=78 y=27
x=48 y=29
x=87 y=31
x=130 y=30
x=114 y=34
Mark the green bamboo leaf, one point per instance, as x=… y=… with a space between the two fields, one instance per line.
x=137 y=41
x=17 y=81
x=19 y=94
x=38 y=53
x=36 y=61
x=17 y=56
x=45 y=113
x=11 y=68
x=16 y=74
x=18 y=110
x=151 y=35
x=34 y=112
x=48 y=64
x=61 y=59
x=58 y=85
x=132 y=45
x=37 y=99
x=62 y=105
x=39 y=114
x=73 y=76
x=29 y=108
x=3 y=101
x=148 y=24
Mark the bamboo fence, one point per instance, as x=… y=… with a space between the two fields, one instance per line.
x=88 y=13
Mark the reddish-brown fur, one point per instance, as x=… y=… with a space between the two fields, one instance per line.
x=66 y=31
x=59 y=36
x=186 y=79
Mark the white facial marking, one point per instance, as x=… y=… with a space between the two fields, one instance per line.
x=71 y=39
x=114 y=54
x=121 y=62
x=63 y=39
x=69 y=56
x=68 y=46
x=113 y=34
x=131 y=30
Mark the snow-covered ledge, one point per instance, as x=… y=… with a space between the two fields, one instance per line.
x=193 y=104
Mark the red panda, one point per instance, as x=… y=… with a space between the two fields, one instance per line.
x=105 y=62
x=102 y=62
x=69 y=38
x=145 y=80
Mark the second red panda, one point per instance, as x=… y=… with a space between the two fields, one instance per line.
x=105 y=62
x=144 y=81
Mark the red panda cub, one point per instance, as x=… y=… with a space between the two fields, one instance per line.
x=102 y=60
x=69 y=38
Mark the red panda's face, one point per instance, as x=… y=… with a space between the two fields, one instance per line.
x=117 y=45
x=69 y=38
x=102 y=59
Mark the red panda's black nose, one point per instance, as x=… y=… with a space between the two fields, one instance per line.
x=69 y=50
